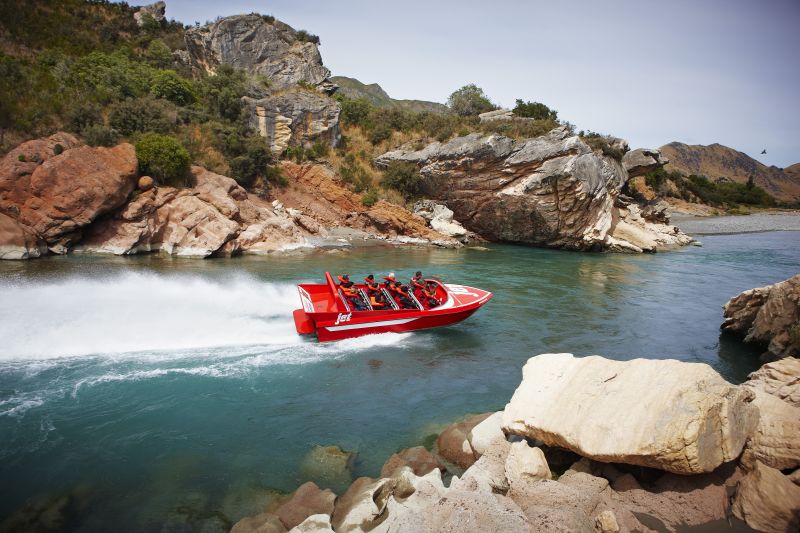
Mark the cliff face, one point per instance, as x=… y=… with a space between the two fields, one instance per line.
x=549 y=191
x=259 y=45
x=716 y=161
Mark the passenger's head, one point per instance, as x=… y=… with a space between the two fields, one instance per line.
x=346 y=277
x=419 y=274
x=371 y=277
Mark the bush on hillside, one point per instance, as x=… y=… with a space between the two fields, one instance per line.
x=100 y=135
x=355 y=112
x=163 y=158
x=469 y=100
x=158 y=54
x=404 y=178
x=168 y=85
x=253 y=161
x=602 y=143
x=534 y=110
x=83 y=116
x=223 y=92
x=110 y=77
x=370 y=198
x=142 y=115
x=354 y=174
x=303 y=35
x=379 y=134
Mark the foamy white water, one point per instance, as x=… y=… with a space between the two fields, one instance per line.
x=153 y=314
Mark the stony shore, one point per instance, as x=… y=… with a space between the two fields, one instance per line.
x=585 y=444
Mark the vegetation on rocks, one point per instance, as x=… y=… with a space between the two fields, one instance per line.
x=163 y=158
x=700 y=188
x=469 y=100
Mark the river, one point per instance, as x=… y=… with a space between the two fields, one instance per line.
x=165 y=393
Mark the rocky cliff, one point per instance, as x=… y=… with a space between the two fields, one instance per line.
x=57 y=196
x=716 y=162
x=260 y=45
x=550 y=191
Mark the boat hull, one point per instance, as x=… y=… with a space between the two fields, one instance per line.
x=391 y=325
x=327 y=313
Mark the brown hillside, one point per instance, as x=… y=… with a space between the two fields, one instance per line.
x=716 y=161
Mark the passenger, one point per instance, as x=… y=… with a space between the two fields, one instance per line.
x=430 y=295
x=389 y=281
x=402 y=297
x=372 y=286
x=378 y=301
x=418 y=284
x=350 y=292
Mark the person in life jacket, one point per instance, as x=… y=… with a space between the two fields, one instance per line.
x=389 y=283
x=378 y=301
x=350 y=292
x=429 y=293
x=418 y=284
x=372 y=286
x=402 y=297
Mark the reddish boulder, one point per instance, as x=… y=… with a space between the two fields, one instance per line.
x=18 y=241
x=146 y=183
x=58 y=195
x=307 y=500
x=453 y=443
x=420 y=460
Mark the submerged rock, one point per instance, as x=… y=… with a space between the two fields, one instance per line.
x=454 y=445
x=418 y=459
x=306 y=501
x=550 y=191
x=675 y=416
x=768 y=315
x=329 y=466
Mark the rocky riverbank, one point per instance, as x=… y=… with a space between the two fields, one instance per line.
x=58 y=196
x=726 y=225
x=587 y=444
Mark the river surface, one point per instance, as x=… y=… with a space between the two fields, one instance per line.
x=167 y=394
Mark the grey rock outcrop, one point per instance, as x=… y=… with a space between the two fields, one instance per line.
x=298 y=117
x=497 y=114
x=259 y=45
x=552 y=190
x=768 y=315
x=440 y=218
x=156 y=11
x=643 y=160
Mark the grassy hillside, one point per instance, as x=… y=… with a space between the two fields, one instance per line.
x=374 y=94
x=721 y=163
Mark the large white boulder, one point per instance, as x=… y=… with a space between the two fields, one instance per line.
x=676 y=416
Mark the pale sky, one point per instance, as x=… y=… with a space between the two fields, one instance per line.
x=695 y=71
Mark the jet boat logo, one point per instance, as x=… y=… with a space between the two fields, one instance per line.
x=343 y=317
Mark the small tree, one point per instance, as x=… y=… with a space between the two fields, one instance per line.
x=169 y=86
x=140 y=115
x=403 y=177
x=163 y=158
x=469 y=100
x=534 y=110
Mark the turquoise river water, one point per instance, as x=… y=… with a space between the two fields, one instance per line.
x=163 y=394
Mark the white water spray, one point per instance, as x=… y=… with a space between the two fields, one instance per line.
x=142 y=312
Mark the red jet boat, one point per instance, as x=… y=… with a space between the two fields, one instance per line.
x=329 y=314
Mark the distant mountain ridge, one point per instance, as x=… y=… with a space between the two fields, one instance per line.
x=353 y=88
x=716 y=161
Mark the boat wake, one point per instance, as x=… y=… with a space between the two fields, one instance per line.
x=60 y=338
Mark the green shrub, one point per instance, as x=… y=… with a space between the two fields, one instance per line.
x=370 y=197
x=354 y=174
x=379 y=134
x=318 y=150
x=355 y=112
x=21 y=158
x=404 y=178
x=100 y=135
x=223 y=91
x=168 y=85
x=141 y=115
x=163 y=158
x=252 y=163
x=109 y=77
x=603 y=143
x=303 y=35
x=82 y=116
x=58 y=149
x=469 y=100
x=158 y=54
x=274 y=176
x=534 y=110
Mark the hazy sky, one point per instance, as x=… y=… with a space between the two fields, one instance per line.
x=694 y=71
